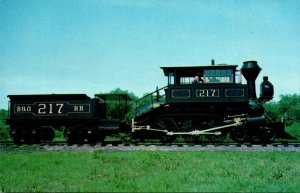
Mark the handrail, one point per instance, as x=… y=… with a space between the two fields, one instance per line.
x=139 y=106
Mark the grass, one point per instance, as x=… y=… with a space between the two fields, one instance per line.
x=150 y=172
x=294 y=130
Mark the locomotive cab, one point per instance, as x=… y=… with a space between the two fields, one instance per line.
x=220 y=83
x=209 y=74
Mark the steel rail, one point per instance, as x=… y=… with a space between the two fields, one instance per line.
x=118 y=146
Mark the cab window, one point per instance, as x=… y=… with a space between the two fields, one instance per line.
x=186 y=80
x=218 y=76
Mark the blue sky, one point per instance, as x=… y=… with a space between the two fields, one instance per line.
x=93 y=46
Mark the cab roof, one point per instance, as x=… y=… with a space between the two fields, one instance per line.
x=192 y=70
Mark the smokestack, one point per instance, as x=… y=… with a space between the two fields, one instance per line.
x=250 y=71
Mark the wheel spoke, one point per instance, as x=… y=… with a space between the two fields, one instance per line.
x=189 y=125
x=165 y=124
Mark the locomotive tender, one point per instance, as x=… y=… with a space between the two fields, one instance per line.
x=213 y=105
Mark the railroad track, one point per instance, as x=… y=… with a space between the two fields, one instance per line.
x=174 y=147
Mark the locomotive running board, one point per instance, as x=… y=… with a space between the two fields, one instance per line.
x=236 y=122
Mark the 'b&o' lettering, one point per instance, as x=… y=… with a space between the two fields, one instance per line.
x=23 y=108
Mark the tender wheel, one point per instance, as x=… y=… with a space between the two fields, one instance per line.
x=14 y=134
x=68 y=135
x=91 y=136
x=22 y=134
x=48 y=134
x=73 y=135
x=268 y=134
x=36 y=135
x=165 y=124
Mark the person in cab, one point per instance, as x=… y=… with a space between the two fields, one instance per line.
x=198 y=79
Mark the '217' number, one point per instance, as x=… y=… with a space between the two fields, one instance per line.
x=207 y=93
x=48 y=108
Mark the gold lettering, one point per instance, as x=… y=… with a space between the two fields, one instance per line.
x=42 y=109
x=80 y=108
x=59 y=105
x=23 y=108
x=207 y=93
x=50 y=111
x=213 y=93
x=202 y=92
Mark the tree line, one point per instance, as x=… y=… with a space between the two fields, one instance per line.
x=287 y=108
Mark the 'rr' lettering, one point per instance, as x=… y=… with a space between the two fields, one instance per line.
x=78 y=108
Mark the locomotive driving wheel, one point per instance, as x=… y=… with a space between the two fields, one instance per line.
x=189 y=125
x=215 y=138
x=167 y=124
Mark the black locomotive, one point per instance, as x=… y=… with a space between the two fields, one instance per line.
x=198 y=101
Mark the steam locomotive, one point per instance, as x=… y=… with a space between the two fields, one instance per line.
x=215 y=107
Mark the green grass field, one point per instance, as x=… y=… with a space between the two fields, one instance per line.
x=294 y=130
x=150 y=171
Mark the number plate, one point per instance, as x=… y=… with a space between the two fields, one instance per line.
x=201 y=93
x=51 y=108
